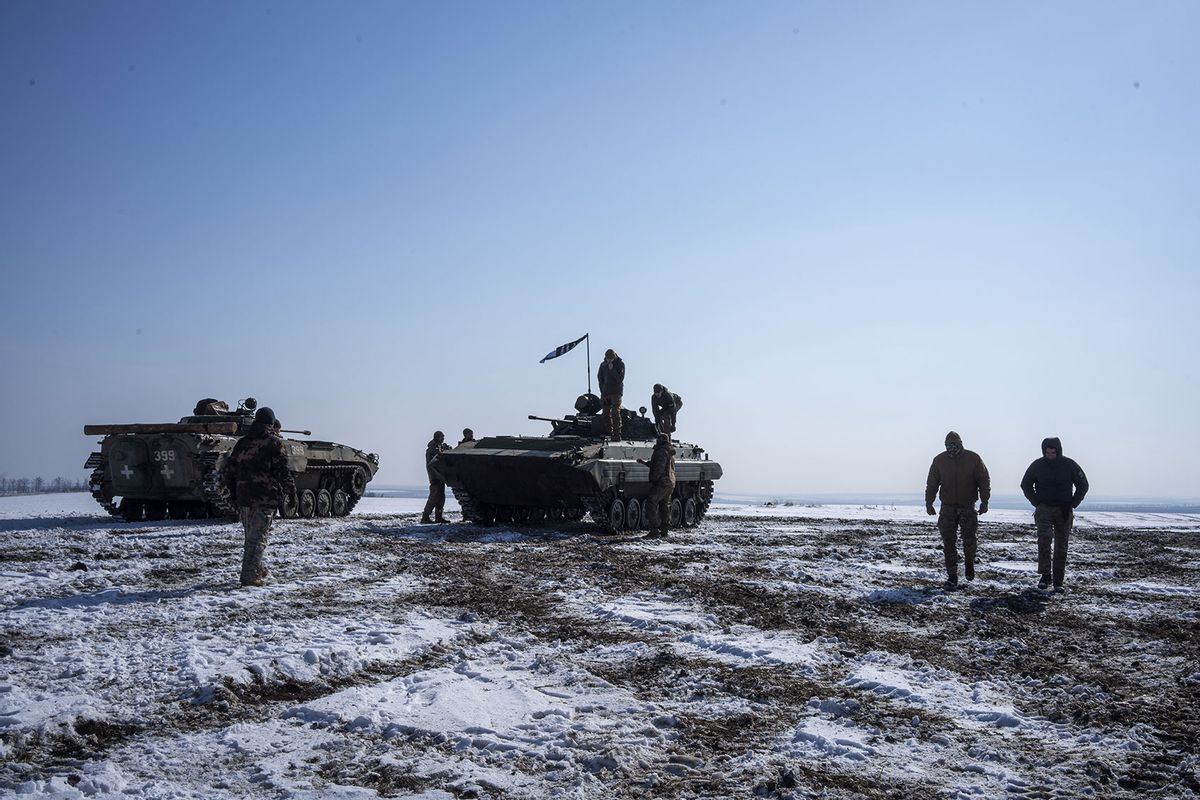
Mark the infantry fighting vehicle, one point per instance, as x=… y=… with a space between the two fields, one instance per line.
x=172 y=469
x=575 y=471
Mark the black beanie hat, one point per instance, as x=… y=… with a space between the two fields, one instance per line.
x=264 y=416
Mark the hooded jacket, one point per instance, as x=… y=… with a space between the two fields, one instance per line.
x=1054 y=482
x=611 y=378
x=963 y=478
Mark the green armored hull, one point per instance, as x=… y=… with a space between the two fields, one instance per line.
x=572 y=472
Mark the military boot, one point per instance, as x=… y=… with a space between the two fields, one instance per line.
x=970 y=571
x=1044 y=583
x=425 y=520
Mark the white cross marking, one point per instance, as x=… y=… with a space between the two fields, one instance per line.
x=167 y=472
x=127 y=472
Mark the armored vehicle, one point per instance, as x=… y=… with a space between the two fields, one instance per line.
x=574 y=471
x=172 y=469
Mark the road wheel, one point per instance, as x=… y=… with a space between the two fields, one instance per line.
x=633 y=514
x=290 y=507
x=521 y=515
x=156 y=510
x=324 y=503
x=358 y=481
x=537 y=516
x=554 y=514
x=486 y=515
x=308 y=503
x=689 y=513
x=616 y=515
x=504 y=515
x=676 y=512
x=341 y=503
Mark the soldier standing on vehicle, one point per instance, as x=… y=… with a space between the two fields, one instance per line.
x=437 y=482
x=611 y=379
x=257 y=477
x=662 y=480
x=468 y=436
x=665 y=406
x=963 y=478
x=1055 y=485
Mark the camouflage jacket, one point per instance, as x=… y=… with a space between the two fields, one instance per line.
x=256 y=471
x=662 y=465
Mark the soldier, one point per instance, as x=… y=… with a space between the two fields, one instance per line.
x=257 y=477
x=662 y=479
x=665 y=407
x=1055 y=485
x=468 y=436
x=437 y=481
x=611 y=379
x=963 y=478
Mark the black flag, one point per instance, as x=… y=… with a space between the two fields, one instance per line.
x=562 y=348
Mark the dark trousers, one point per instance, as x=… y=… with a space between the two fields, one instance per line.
x=1053 y=527
x=658 y=507
x=952 y=520
x=611 y=408
x=436 y=501
x=665 y=422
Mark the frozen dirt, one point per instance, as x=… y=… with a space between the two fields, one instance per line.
x=771 y=652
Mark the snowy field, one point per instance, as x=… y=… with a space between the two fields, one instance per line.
x=785 y=651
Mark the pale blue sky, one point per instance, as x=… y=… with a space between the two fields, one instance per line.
x=837 y=229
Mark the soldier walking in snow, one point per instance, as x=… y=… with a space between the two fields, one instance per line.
x=437 y=482
x=662 y=479
x=963 y=478
x=257 y=477
x=1055 y=485
x=611 y=379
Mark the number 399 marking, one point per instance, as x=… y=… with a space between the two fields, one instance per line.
x=164 y=455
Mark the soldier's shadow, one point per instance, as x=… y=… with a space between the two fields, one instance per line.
x=1026 y=601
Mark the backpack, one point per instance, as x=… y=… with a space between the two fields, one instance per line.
x=678 y=401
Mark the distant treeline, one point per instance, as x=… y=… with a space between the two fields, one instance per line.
x=40 y=485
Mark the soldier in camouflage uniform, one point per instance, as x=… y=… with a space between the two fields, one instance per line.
x=257 y=477
x=611 y=379
x=662 y=478
x=437 y=482
x=665 y=405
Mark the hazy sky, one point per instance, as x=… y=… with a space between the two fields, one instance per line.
x=838 y=229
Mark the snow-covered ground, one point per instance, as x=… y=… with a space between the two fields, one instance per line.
x=783 y=651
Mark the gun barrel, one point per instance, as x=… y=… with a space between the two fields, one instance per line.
x=545 y=419
x=289 y=430
x=162 y=427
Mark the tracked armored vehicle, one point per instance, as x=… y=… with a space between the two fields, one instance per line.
x=575 y=471
x=172 y=469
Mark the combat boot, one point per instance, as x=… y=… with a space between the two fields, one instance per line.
x=970 y=571
x=1044 y=583
x=425 y=520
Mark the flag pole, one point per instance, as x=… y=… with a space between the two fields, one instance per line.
x=587 y=339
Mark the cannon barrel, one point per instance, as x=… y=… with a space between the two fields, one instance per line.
x=289 y=430
x=162 y=427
